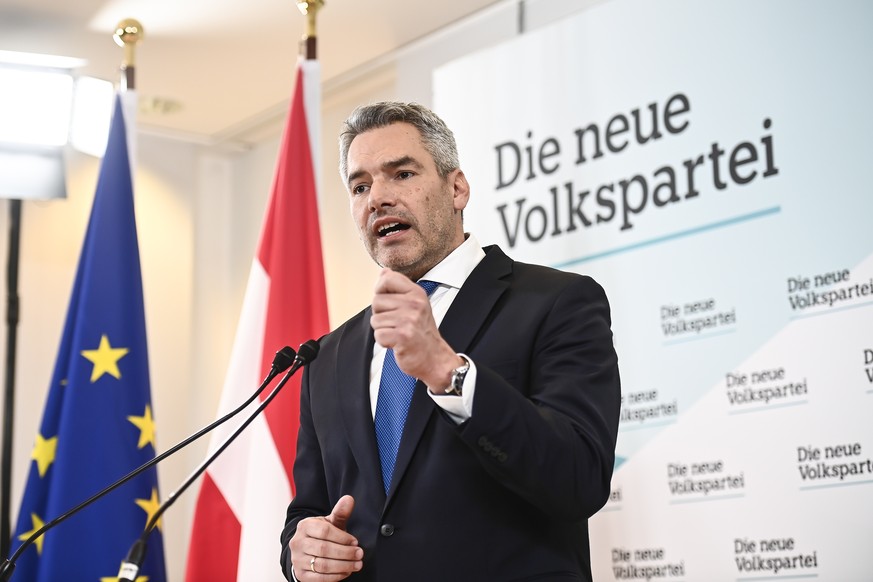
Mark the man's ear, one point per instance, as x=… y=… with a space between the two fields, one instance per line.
x=460 y=189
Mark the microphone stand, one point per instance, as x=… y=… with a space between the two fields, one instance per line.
x=136 y=555
x=281 y=361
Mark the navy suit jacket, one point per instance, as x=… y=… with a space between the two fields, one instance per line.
x=505 y=495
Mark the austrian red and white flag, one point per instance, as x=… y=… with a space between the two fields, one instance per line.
x=241 y=506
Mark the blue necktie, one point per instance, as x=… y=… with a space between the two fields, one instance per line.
x=392 y=406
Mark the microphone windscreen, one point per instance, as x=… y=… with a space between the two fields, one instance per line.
x=308 y=351
x=283 y=359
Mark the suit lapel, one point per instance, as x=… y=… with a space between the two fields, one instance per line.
x=476 y=299
x=353 y=362
x=459 y=327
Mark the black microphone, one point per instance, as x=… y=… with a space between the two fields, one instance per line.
x=281 y=361
x=136 y=555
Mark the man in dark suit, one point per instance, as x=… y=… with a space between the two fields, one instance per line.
x=507 y=445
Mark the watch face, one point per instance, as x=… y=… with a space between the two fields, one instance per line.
x=457 y=381
x=458 y=375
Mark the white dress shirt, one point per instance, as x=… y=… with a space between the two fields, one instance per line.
x=450 y=273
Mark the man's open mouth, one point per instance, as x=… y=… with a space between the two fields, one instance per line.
x=390 y=228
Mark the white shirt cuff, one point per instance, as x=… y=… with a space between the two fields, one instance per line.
x=459 y=408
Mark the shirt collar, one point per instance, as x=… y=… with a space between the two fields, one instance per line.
x=457 y=266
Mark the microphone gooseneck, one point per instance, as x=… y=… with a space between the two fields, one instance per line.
x=284 y=358
x=129 y=570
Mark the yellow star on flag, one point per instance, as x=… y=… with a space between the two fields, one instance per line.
x=44 y=453
x=146 y=426
x=105 y=359
x=37 y=524
x=150 y=506
x=115 y=579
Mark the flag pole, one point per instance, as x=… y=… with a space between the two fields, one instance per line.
x=310 y=9
x=127 y=34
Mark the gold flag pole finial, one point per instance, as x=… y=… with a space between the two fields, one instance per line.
x=310 y=9
x=127 y=34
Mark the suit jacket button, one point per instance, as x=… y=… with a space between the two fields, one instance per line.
x=387 y=530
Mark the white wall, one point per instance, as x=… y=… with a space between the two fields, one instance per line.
x=199 y=213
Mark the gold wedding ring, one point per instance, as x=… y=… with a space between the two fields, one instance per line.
x=312 y=564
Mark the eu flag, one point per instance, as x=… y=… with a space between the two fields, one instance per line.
x=98 y=422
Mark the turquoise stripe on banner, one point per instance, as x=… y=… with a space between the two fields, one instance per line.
x=831 y=485
x=769 y=407
x=701 y=336
x=672 y=236
x=626 y=428
x=704 y=499
x=831 y=310
x=795 y=577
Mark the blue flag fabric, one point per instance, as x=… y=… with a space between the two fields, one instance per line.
x=98 y=423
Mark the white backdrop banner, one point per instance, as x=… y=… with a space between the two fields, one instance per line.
x=709 y=164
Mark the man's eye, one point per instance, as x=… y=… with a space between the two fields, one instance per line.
x=405 y=174
x=359 y=189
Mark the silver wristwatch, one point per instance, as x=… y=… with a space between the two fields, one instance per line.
x=458 y=374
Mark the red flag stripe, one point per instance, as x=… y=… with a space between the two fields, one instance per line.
x=213 y=557
x=290 y=252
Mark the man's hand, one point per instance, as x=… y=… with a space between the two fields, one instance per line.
x=322 y=550
x=402 y=320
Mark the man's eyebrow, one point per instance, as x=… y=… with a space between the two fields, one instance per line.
x=389 y=165
x=404 y=161
x=354 y=176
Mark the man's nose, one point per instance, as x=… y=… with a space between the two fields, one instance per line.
x=381 y=195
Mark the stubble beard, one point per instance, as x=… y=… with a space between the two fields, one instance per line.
x=415 y=258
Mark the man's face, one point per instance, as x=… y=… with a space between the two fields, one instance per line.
x=408 y=217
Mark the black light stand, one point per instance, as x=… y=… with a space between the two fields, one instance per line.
x=9 y=384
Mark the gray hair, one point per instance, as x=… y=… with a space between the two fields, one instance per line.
x=436 y=137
